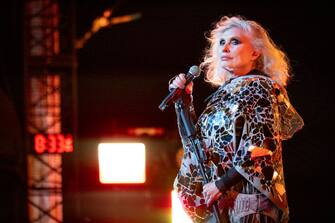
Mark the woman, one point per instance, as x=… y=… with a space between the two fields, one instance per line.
x=241 y=128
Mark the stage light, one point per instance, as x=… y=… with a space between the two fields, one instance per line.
x=178 y=213
x=121 y=163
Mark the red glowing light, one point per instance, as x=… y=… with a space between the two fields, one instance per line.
x=53 y=143
x=149 y=131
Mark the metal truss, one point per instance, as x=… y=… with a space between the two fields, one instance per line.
x=49 y=101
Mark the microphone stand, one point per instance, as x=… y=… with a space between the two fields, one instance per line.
x=196 y=147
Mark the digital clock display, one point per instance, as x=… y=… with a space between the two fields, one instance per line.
x=53 y=143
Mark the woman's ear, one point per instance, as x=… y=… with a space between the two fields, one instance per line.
x=255 y=54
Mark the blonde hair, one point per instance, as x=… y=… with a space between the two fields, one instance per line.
x=272 y=61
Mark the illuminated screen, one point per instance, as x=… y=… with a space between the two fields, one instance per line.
x=121 y=162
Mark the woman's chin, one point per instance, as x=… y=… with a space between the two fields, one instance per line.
x=227 y=68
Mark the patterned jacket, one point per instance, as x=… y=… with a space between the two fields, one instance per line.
x=268 y=118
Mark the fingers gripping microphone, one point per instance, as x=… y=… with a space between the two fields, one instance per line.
x=192 y=73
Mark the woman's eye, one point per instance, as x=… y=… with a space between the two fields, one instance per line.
x=235 y=41
x=222 y=42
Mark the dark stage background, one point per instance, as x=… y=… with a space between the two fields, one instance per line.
x=123 y=72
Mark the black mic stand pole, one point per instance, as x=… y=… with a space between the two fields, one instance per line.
x=196 y=146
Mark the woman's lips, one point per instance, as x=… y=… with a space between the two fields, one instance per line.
x=224 y=58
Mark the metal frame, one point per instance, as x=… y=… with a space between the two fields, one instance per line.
x=50 y=100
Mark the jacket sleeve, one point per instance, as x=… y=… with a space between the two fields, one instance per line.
x=259 y=155
x=232 y=177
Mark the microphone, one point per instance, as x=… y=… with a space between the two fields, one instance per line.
x=192 y=73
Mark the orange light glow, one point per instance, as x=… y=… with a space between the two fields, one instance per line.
x=178 y=213
x=150 y=131
x=121 y=162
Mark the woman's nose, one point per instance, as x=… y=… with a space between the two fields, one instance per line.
x=226 y=48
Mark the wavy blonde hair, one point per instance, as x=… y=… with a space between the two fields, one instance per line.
x=272 y=61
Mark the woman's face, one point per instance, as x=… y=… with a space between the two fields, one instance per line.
x=235 y=52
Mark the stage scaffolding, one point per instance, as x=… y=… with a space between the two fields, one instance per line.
x=50 y=100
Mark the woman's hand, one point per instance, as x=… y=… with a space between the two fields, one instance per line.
x=211 y=193
x=179 y=82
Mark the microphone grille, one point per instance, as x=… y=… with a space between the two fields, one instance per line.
x=194 y=70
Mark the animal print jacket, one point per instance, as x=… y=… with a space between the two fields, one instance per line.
x=268 y=117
